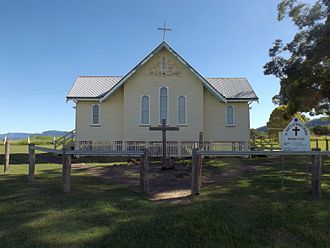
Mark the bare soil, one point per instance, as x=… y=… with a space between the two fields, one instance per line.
x=165 y=185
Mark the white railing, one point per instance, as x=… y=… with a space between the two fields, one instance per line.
x=177 y=149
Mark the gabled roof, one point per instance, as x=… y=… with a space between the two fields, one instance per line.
x=102 y=87
x=155 y=51
x=92 y=86
x=233 y=88
x=95 y=87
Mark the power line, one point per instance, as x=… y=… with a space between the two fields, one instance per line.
x=32 y=93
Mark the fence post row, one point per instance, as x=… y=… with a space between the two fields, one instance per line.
x=66 y=172
x=196 y=179
x=7 y=156
x=32 y=162
x=144 y=172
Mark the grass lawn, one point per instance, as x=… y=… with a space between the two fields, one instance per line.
x=248 y=211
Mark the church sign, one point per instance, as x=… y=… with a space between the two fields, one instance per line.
x=296 y=136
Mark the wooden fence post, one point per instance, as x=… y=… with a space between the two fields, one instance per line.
x=326 y=145
x=7 y=156
x=307 y=172
x=144 y=172
x=32 y=162
x=196 y=172
x=54 y=142
x=283 y=171
x=66 y=172
x=316 y=174
x=317 y=142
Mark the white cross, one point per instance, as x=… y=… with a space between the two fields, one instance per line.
x=164 y=29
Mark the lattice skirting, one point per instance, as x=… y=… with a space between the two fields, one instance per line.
x=176 y=149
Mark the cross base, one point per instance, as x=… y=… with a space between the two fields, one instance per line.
x=167 y=164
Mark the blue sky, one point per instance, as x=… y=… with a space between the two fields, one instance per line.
x=46 y=44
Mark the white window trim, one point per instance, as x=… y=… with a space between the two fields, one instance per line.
x=142 y=124
x=234 y=121
x=99 y=120
x=168 y=103
x=185 y=111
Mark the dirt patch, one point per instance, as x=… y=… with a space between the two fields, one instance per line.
x=171 y=185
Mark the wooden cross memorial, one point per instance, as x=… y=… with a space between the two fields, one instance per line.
x=164 y=128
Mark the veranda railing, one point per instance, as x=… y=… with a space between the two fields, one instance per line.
x=173 y=148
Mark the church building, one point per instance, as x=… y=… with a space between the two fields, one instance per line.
x=116 y=113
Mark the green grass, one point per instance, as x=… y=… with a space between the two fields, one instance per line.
x=248 y=211
x=37 y=140
x=275 y=145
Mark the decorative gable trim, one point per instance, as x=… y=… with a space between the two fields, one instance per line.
x=207 y=85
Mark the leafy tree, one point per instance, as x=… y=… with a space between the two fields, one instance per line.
x=256 y=133
x=320 y=130
x=279 y=119
x=303 y=65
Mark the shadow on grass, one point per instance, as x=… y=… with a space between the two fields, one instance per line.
x=46 y=158
x=248 y=211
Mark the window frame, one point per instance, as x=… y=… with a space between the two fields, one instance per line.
x=99 y=116
x=234 y=121
x=185 y=111
x=141 y=109
x=167 y=106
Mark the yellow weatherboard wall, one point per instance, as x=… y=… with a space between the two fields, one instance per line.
x=120 y=114
x=111 y=120
x=148 y=81
x=215 y=122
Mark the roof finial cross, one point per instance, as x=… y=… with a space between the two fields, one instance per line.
x=164 y=29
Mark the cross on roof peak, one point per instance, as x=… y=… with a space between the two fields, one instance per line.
x=164 y=29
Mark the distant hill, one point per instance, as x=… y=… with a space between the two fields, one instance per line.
x=262 y=129
x=323 y=121
x=15 y=136
x=318 y=122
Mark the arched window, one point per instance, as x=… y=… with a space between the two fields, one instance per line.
x=96 y=114
x=163 y=103
x=145 y=110
x=182 y=110
x=230 y=116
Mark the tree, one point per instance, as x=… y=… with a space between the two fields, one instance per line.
x=303 y=65
x=279 y=119
x=320 y=130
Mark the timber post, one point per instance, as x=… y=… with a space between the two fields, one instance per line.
x=196 y=171
x=7 y=156
x=282 y=171
x=32 y=162
x=317 y=142
x=307 y=173
x=316 y=174
x=326 y=145
x=144 y=172
x=66 y=172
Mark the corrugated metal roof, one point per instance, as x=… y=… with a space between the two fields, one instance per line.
x=92 y=86
x=233 y=88
x=98 y=86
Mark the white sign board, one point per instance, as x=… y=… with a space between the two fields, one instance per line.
x=296 y=137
